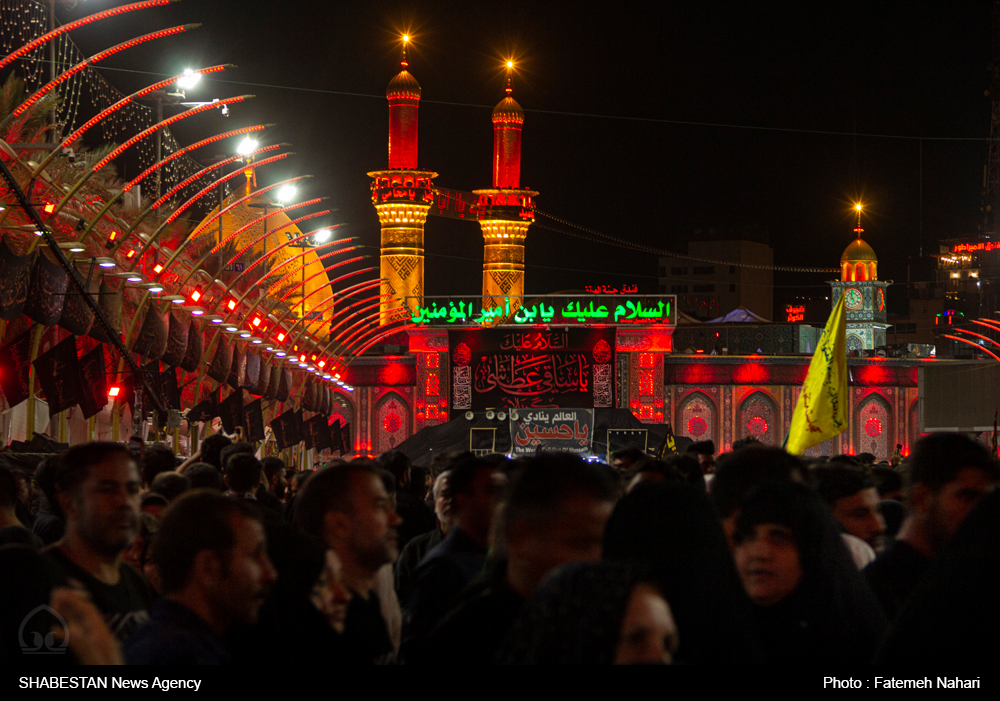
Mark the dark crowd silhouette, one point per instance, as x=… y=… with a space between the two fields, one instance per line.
x=125 y=554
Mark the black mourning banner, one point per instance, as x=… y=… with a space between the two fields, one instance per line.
x=177 y=341
x=151 y=341
x=171 y=390
x=47 y=291
x=109 y=301
x=15 y=272
x=254 y=417
x=284 y=385
x=301 y=429
x=286 y=430
x=531 y=368
x=231 y=411
x=336 y=437
x=345 y=432
x=252 y=374
x=58 y=372
x=237 y=369
x=93 y=381
x=263 y=381
x=15 y=358
x=271 y=392
x=77 y=316
x=192 y=356
x=206 y=409
x=218 y=370
x=318 y=431
x=305 y=429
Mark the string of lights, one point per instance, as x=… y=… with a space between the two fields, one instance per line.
x=613 y=240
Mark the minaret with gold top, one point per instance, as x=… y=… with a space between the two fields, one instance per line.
x=507 y=210
x=402 y=196
x=864 y=293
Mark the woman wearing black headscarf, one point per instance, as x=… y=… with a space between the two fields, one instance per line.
x=674 y=530
x=810 y=604
x=593 y=613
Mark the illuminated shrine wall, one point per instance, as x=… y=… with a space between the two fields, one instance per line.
x=697 y=417
x=392 y=422
x=758 y=417
x=873 y=426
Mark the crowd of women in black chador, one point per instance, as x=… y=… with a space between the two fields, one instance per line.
x=746 y=565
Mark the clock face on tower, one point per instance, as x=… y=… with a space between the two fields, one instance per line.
x=879 y=299
x=853 y=298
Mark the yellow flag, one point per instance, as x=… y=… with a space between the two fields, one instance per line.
x=822 y=409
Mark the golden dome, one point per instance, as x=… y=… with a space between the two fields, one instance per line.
x=858 y=251
x=403 y=85
x=507 y=110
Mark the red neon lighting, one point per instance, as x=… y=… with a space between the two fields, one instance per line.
x=231 y=304
x=281 y=337
x=165 y=123
x=113 y=392
x=45 y=38
x=757 y=426
x=256 y=321
x=157 y=268
x=302 y=358
x=45 y=89
x=873 y=427
x=981 y=246
x=130 y=254
x=195 y=295
x=322 y=363
x=795 y=313
x=188 y=149
x=190 y=179
x=114 y=235
x=49 y=207
x=697 y=427
x=432 y=385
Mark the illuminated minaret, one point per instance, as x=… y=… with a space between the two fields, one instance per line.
x=402 y=196
x=507 y=210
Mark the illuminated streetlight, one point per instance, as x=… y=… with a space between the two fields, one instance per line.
x=247 y=146
x=286 y=193
x=189 y=79
x=322 y=235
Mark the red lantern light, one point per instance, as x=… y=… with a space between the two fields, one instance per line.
x=49 y=207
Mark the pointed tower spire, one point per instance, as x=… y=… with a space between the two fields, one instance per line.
x=403 y=94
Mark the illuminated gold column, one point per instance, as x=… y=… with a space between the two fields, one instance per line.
x=503 y=261
x=402 y=200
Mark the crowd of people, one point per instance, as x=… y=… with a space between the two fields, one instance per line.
x=127 y=554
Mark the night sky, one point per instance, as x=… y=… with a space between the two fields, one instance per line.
x=606 y=88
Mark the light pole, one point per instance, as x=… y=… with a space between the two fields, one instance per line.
x=171 y=96
x=285 y=195
x=317 y=239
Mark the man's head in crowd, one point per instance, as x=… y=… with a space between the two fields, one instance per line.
x=348 y=507
x=555 y=510
x=211 y=450
x=205 y=476
x=705 y=452
x=474 y=487
x=623 y=460
x=274 y=476
x=949 y=474
x=234 y=449
x=155 y=459
x=442 y=500
x=211 y=555
x=854 y=500
x=98 y=490
x=170 y=485
x=243 y=473
x=888 y=482
x=398 y=464
x=740 y=471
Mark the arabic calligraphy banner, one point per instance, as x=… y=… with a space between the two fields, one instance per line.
x=571 y=310
x=548 y=429
x=532 y=368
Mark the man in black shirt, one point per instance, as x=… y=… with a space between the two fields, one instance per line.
x=949 y=474
x=348 y=508
x=211 y=552
x=554 y=513
x=97 y=487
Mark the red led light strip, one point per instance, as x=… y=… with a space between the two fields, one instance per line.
x=301 y=283
x=293 y=222
x=187 y=181
x=205 y=224
x=289 y=243
x=47 y=88
x=268 y=215
x=974 y=345
x=45 y=38
x=165 y=123
x=188 y=149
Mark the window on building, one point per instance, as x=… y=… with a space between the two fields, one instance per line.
x=703 y=288
x=679 y=271
x=704 y=270
x=732 y=288
x=678 y=289
x=732 y=269
x=663 y=271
